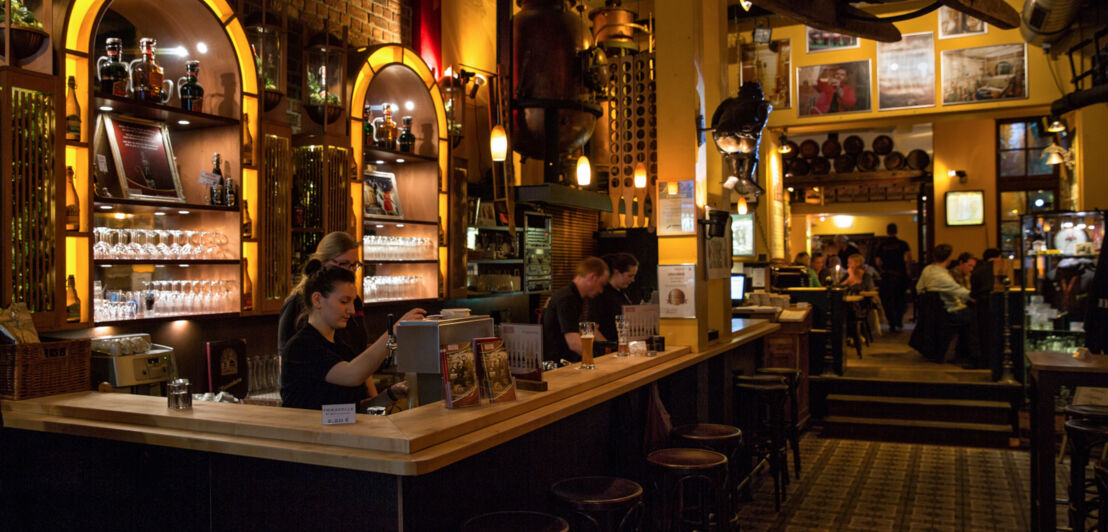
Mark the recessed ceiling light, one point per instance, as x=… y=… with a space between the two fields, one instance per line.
x=183 y=122
x=159 y=213
x=379 y=161
x=106 y=207
x=379 y=226
x=400 y=225
x=182 y=212
x=400 y=160
x=106 y=108
x=202 y=47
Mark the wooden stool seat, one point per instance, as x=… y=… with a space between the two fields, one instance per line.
x=760 y=408
x=603 y=504
x=723 y=439
x=1083 y=435
x=792 y=380
x=688 y=489
x=514 y=521
x=1096 y=413
x=709 y=432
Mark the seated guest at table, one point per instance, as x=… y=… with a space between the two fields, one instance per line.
x=566 y=309
x=961 y=269
x=936 y=278
x=604 y=308
x=860 y=277
x=846 y=247
x=319 y=370
x=814 y=268
x=830 y=275
x=982 y=285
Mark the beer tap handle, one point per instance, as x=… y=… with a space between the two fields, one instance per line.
x=390 y=343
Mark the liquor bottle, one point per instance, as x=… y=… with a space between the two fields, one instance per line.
x=72 y=112
x=367 y=130
x=386 y=132
x=148 y=174
x=230 y=192
x=72 y=302
x=148 y=83
x=406 y=140
x=189 y=91
x=216 y=196
x=247 y=141
x=72 y=203
x=112 y=72
x=247 y=287
x=247 y=222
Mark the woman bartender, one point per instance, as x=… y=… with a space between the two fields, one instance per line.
x=319 y=370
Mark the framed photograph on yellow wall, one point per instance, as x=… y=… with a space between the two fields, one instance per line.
x=906 y=72
x=954 y=23
x=965 y=207
x=823 y=41
x=985 y=73
x=768 y=64
x=833 y=88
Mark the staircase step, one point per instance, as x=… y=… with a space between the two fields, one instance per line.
x=918 y=431
x=982 y=391
x=919 y=408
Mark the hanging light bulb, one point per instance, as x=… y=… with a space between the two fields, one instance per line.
x=1055 y=154
x=1056 y=126
x=584 y=171
x=498 y=143
x=640 y=175
x=742 y=205
x=783 y=144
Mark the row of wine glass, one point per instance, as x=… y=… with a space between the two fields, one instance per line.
x=166 y=298
x=398 y=248
x=160 y=244
x=393 y=287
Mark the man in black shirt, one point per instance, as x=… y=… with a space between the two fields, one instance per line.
x=609 y=304
x=846 y=248
x=893 y=256
x=982 y=283
x=566 y=309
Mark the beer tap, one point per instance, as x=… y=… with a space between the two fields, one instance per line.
x=390 y=344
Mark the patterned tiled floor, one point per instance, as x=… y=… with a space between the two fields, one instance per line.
x=855 y=485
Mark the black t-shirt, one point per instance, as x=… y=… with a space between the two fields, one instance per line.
x=604 y=308
x=353 y=336
x=562 y=314
x=308 y=357
x=890 y=250
x=847 y=251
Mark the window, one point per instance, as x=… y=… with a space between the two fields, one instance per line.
x=1025 y=183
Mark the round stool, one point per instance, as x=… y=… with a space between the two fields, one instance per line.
x=514 y=521
x=792 y=380
x=688 y=487
x=1095 y=413
x=1102 y=490
x=723 y=439
x=760 y=408
x=1083 y=435
x=603 y=504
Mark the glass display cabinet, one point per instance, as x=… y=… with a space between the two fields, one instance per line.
x=1058 y=255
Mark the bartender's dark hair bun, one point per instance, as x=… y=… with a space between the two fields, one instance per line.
x=322 y=279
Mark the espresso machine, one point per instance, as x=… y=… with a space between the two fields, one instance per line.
x=417 y=350
x=131 y=363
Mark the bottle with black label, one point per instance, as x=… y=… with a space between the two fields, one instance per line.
x=217 y=194
x=406 y=140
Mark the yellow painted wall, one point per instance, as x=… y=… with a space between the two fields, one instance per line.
x=469 y=34
x=1092 y=156
x=968 y=145
x=1041 y=87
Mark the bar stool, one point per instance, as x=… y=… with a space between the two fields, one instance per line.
x=601 y=504
x=1102 y=489
x=688 y=487
x=1083 y=435
x=514 y=521
x=792 y=380
x=723 y=439
x=760 y=407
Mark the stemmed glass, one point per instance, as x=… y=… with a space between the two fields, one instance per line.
x=101 y=249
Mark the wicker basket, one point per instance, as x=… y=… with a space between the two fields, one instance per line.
x=47 y=368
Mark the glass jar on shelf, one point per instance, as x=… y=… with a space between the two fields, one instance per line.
x=113 y=74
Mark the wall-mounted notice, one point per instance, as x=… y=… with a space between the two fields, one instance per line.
x=676 y=207
x=677 y=289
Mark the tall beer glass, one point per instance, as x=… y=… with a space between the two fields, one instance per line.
x=588 y=334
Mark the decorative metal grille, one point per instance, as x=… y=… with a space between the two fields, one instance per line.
x=277 y=184
x=33 y=273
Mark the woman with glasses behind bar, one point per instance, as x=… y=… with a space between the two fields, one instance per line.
x=341 y=250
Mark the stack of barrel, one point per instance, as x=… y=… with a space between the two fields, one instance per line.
x=810 y=158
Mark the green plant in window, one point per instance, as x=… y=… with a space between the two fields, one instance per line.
x=317 y=93
x=21 y=16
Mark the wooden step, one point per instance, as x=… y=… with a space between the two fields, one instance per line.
x=918 y=431
x=983 y=391
x=917 y=408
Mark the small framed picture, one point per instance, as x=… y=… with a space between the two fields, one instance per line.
x=379 y=195
x=142 y=158
x=965 y=207
x=954 y=23
x=822 y=41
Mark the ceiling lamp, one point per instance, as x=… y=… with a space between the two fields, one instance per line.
x=1056 y=125
x=742 y=205
x=584 y=171
x=1055 y=154
x=640 y=175
x=498 y=143
x=783 y=146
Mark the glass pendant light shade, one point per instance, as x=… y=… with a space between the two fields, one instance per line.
x=640 y=175
x=584 y=171
x=742 y=205
x=498 y=143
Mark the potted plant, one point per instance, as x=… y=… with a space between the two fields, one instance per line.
x=27 y=35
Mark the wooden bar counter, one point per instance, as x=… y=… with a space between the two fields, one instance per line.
x=74 y=459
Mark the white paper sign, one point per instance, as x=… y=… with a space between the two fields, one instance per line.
x=102 y=162
x=677 y=290
x=208 y=179
x=338 y=414
x=676 y=207
x=524 y=344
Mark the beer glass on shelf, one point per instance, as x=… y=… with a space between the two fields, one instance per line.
x=587 y=330
x=623 y=333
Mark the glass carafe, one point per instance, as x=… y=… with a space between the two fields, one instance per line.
x=148 y=83
x=189 y=91
x=112 y=73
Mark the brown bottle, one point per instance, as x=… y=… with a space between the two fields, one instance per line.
x=72 y=302
x=147 y=77
x=247 y=222
x=247 y=141
x=247 y=287
x=386 y=132
x=72 y=112
x=72 y=203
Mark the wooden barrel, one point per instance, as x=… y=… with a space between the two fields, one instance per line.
x=844 y=163
x=868 y=161
x=831 y=147
x=820 y=166
x=853 y=145
x=895 y=161
x=918 y=160
x=799 y=167
x=882 y=144
x=809 y=149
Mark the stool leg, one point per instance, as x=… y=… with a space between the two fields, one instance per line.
x=794 y=435
x=1102 y=490
x=632 y=520
x=1079 y=458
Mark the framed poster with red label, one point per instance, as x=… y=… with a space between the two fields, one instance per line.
x=142 y=157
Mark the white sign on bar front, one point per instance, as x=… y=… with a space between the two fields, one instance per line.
x=338 y=414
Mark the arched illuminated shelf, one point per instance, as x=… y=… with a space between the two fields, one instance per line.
x=393 y=73
x=211 y=32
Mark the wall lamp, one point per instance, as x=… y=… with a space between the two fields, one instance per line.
x=960 y=174
x=1055 y=125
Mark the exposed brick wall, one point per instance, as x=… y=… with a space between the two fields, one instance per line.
x=369 y=21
